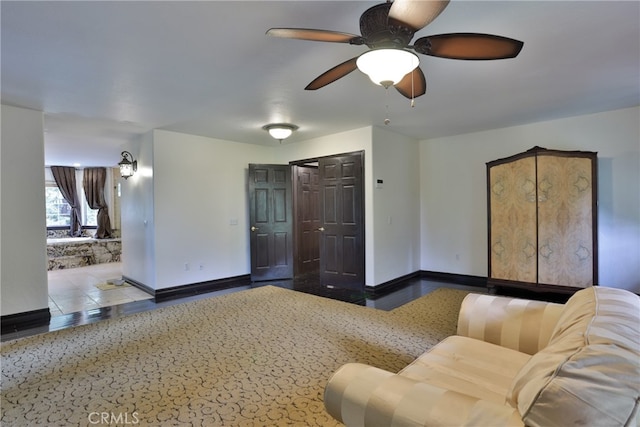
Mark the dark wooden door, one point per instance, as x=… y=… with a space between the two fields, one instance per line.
x=307 y=220
x=342 y=229
x=270 y=217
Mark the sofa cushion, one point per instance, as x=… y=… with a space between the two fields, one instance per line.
x=362 y=395
x=469 y=366
x=519 y=324
x=589 y=374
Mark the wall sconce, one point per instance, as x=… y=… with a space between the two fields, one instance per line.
x=280 y=131
x=128 y=166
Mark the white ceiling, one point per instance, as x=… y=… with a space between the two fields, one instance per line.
x=104 y=72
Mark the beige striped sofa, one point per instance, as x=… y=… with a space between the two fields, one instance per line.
x=513 y=362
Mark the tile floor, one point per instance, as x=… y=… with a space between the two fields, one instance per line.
x=74 y=300
x=73 y=290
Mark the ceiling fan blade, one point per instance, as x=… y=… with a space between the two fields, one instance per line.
x=333 y=74
x=416 y=14
x=470 y=46
x=315 y=35
x=413 y=84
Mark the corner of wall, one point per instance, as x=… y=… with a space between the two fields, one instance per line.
x=23 y=265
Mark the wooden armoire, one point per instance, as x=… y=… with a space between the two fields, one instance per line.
x=542 y=212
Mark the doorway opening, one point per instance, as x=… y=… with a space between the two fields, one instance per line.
x=307 y=220
x=84 y=273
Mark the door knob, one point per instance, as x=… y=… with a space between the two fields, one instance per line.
x=254 y=228
x=321 y=229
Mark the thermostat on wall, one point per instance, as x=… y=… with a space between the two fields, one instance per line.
x=379 y=183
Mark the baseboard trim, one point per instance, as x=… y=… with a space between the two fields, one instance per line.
x=391 y=285
x=139 y=285
x=28 y=319
x=182 y=291
x=458 y=279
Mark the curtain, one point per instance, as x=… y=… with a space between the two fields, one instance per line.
x=65 y=178
x=93 y=182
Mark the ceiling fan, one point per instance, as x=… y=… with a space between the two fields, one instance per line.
x=387 y=29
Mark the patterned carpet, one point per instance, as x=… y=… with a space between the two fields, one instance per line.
x=259 y=357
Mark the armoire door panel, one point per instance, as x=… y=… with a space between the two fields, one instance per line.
x=565 y=221
x=513 y=243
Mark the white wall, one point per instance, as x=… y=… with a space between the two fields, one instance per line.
x=396 y=205
x=453 y=191
x=137 y=215
x=201 y=218
x=23 y=265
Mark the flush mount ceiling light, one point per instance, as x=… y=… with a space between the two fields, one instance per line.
x=386 y=67
x=128 y=166
x=280 y=131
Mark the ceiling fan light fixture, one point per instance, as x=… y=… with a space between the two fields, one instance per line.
x=280 y=131
x=386 y=67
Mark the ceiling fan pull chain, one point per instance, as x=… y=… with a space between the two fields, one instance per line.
x=386 y=106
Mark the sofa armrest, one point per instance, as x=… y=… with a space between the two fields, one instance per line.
x=518 y=324
x=362 y=395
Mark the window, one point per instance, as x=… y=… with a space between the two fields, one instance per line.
x=89 y=216
x=58 y=210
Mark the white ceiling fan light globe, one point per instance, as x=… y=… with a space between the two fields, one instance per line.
x=280 y=133
x=386 y=67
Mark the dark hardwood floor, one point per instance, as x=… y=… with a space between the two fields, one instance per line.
x=402 y=293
